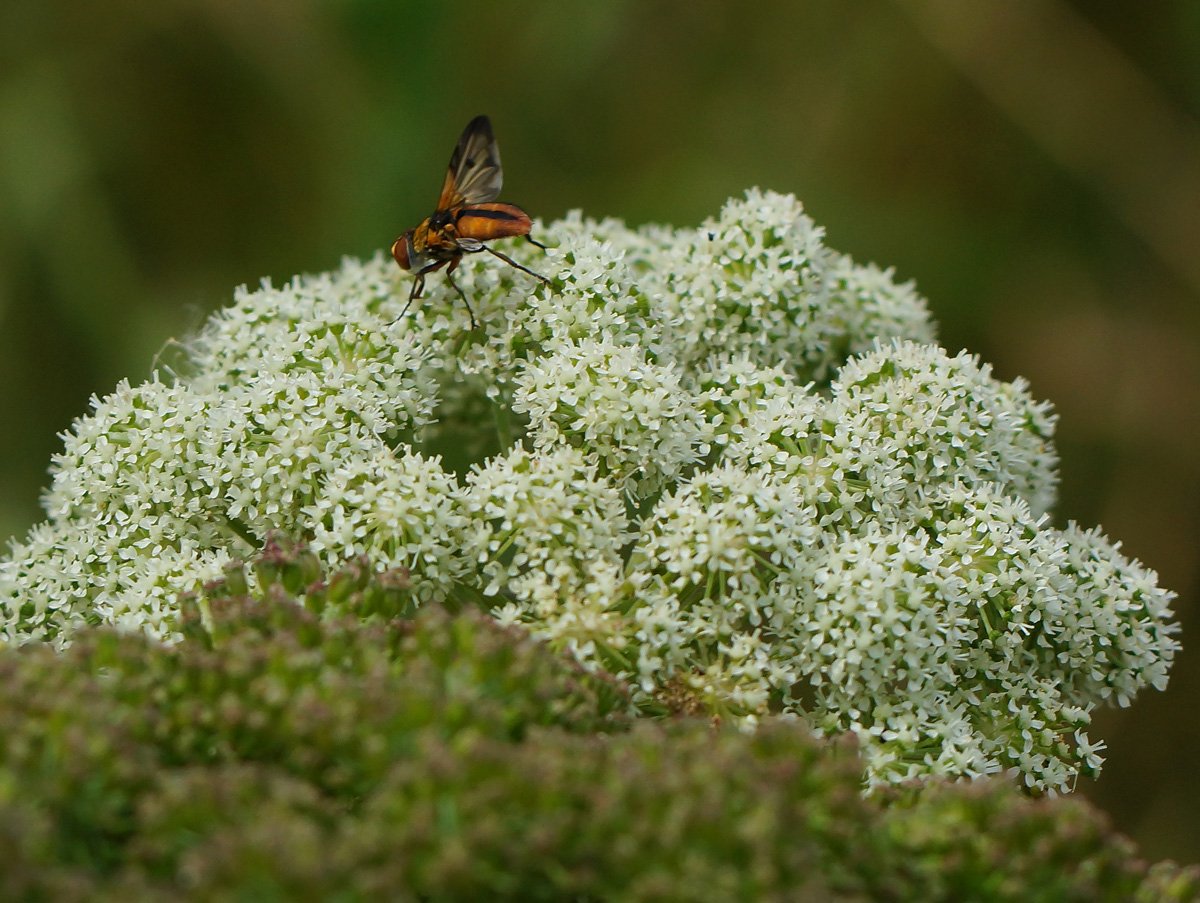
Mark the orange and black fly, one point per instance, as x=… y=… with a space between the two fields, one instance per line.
x=466 y=216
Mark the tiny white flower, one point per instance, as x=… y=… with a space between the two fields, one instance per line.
x=724 y=463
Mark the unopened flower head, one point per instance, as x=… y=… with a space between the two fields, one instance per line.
x=727 y=464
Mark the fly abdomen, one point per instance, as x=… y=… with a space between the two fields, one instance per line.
x=484 y=222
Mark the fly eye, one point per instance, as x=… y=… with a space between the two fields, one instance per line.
x=400 y=251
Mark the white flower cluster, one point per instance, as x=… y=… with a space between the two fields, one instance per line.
x=725 y=463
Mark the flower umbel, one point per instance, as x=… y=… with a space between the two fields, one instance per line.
x=726 y=464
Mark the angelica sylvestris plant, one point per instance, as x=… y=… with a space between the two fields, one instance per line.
x=726 y=464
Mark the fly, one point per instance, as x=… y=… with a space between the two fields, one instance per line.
x=467 y=216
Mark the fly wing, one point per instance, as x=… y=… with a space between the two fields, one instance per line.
x=474 y=175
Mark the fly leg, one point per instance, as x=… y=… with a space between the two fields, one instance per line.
x=450 y=279
x=417 y=287
x=512 y=262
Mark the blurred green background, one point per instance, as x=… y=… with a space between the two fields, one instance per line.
x=1033 y=164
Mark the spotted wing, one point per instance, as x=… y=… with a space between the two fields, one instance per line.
x=474 y=175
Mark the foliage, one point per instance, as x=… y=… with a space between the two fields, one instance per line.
x=274 y=753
